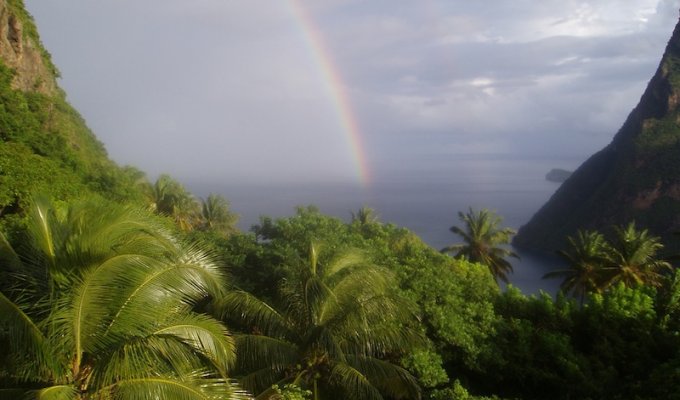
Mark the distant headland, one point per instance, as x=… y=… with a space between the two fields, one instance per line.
x=558 y=175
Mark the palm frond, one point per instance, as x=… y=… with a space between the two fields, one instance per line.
x=142 y=289
x=44 y=231
x=374 y=326
x=316 y=293
x=342 y=262
x=124 y=295
x=390 y=379
x=558 y=273
x=313 y=257
x=25 y=339
x=137 y=357
x=196 y=387
x=259 y=382
x=345 y=294
x=252 y=312
x=58 y=392
x=8 y=257
x=353 y=382
x=205 y=336
x=454 y=248
x=257 y=351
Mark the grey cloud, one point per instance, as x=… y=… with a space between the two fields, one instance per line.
x=236 y=87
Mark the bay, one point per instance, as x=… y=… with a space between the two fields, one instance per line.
x=425 y=198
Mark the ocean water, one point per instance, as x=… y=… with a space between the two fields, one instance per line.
x=425 y=199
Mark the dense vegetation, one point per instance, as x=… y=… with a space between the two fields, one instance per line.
x=315 y=308
x=46 y=148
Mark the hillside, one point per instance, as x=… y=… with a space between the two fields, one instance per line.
x=636 y=177
x=46 y=146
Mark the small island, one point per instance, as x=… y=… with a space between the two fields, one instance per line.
x=558 y=175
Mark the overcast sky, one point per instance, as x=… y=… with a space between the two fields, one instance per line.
x=233 y=89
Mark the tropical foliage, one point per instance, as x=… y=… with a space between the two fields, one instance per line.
x=45 y=147
x=316 y=321
x=216 y=215
x=483 y=239
x=596 y=264
x=168 y=197
x=454 y=297
x=329 y=331
x=365 y=216
x=98 y=303
x=634 y=257
x=587 y=257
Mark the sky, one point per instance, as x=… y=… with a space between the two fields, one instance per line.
x=349 y=90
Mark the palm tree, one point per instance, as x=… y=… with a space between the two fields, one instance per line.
x=168 y=197
x=98 y=303
x=634 y=259
x=588 y=259
x=482 y=237
x=365 y=216
x=332 y=325
x=216 y=215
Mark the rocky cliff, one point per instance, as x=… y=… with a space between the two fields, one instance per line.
x=20 y=49
x=636 y=177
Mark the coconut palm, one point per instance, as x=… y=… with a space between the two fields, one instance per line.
x=365 y=216
x=634 y=258
x=97 y=304
x=216 y=215
x=588 y=262
x=327 y=333
x=483 y=238
x=168 y=197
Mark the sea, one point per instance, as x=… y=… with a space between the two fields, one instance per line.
x=425 y=199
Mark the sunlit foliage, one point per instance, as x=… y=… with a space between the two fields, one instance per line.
x=97 y=303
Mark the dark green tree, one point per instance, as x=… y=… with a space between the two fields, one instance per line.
x=483 y=241
x=364 y=216
x=634 y=257
x=588 y=257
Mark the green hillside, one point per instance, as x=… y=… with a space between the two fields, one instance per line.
x=636 y=177
x=46 y=145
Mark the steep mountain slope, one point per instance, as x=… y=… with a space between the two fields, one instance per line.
x=45 y=146
x=636 y=177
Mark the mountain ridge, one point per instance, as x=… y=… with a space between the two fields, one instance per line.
x=22 y=50
x=634 y=178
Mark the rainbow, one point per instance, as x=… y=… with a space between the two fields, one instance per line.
x=335 y=87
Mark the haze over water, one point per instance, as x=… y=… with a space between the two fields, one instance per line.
x=424 y=198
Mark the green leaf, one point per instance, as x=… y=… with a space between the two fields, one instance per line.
x=199 y=387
